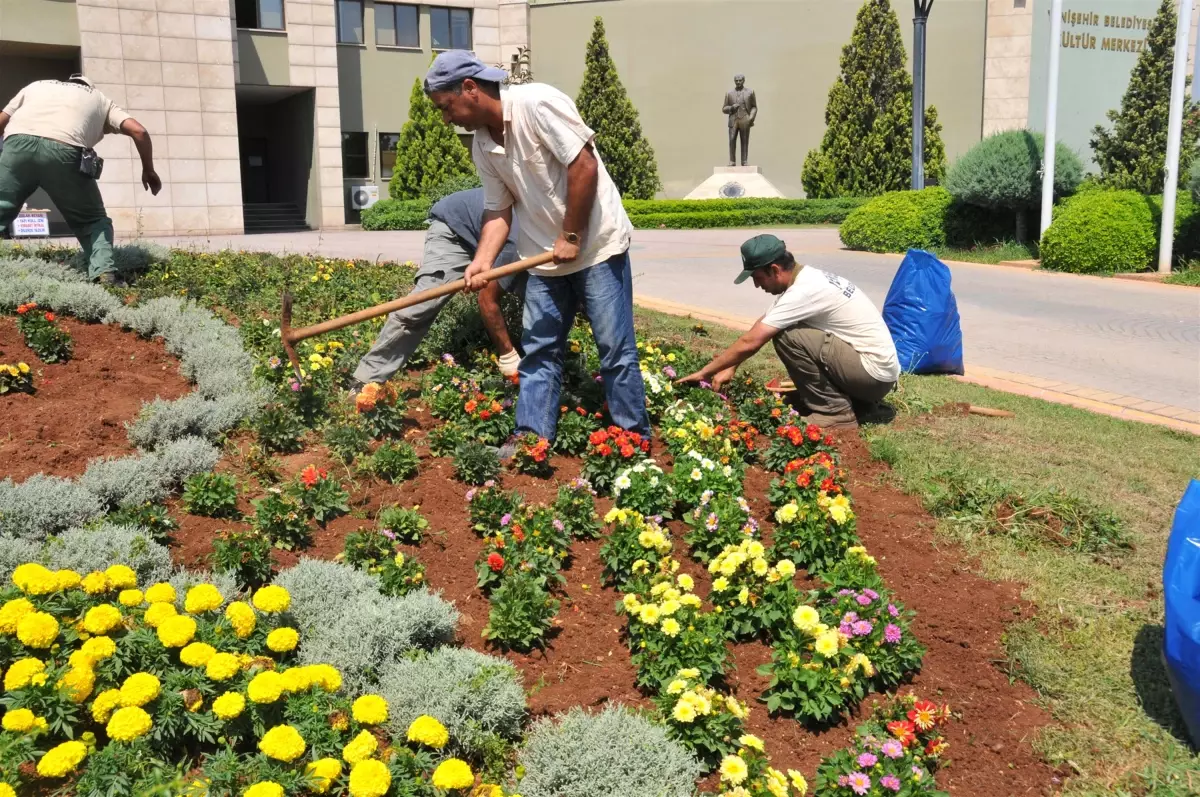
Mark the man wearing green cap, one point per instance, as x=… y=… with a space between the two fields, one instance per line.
x=829 y=335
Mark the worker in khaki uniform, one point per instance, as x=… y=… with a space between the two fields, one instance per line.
x=830 y=337
x=50 y=129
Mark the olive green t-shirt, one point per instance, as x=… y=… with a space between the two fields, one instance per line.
x=71 y=113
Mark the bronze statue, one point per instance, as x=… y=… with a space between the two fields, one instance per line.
x=742 y=108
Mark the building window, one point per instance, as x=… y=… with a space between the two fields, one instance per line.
x=259 y=14
x=355 y=163
x=350 y=21
x=387 y=154
x=451 y=28
x=396 y=25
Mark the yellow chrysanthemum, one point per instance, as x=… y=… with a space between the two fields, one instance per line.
x=631 y=603
x=798 y=782
x=98 y=648
x=161 y=592
x=323 y=771
x=453 y=773
x=177 y=631
x=371 y=778
x=128 y=723
x=370 y=710
x=78 y=682
x=733 y=769
x=61 y=760
x=281 y=640
x=751 y=741
x=101 y=619
x=242 y=618
x=685 y=582
x=684 y=712
x=229 y=705
x=776 y=783
x=736 y=707
x=139 y=689
x=12 y=612
x=33 y=579
x=806 y=618
x=202 y=598
x=266 y=687
x=158 y=612
x=670 y=627
x=360 y=748
x=37 y=630
x=428 y=731
x=264 y=788
x=283 y=743
x=222 y=667
x=676 y=687
x=121 y=577
x=827 y=644
x=649 y=614
x=103 y=705
x=95 y=583
x=272 y=599
x=19 y=720
x=130 y=597
x=785 y=568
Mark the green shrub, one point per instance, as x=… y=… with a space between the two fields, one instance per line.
x=969 y=226
x=1003 y=171
x=1101 y=232
x=898 y=221
x=429 y=151
x=452 y=185
x=1187 y=226
x=1194 y=181
x=397 y=214
x=210 y=495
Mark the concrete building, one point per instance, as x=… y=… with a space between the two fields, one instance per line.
x=270 y=112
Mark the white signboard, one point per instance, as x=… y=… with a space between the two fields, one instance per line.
x=31 y=224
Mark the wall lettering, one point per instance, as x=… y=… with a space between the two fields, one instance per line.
x=1108 y=44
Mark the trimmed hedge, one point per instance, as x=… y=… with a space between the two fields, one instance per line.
x=649 y=214
x=1101 y=232
x=898 y=221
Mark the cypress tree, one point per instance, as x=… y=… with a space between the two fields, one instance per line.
x=1133 y=154
x=607 y=109
x=867 y=148
x=428 y=153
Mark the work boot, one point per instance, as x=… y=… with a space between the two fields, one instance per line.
x=355 y=388
x=111 y=279
x=831 y=423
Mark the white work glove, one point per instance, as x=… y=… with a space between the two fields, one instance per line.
x=509 y=363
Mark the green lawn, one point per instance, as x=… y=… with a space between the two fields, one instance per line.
x=1187 y=275
x=1092 y=652
x=1008 y=250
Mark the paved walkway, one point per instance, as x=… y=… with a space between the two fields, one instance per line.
x=1118 y=342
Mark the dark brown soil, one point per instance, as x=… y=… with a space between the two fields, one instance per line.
x=80 y=407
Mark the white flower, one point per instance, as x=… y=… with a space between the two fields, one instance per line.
x=697 y=475
x=623 y=482
x=728 y=471
x=639 y=468
x=653 y=481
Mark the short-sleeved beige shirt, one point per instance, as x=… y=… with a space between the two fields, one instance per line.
x=71 y=113
x=543 y=134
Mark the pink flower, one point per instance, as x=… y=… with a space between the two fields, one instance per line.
x=872 y=594
x=711 y=521
x=505 y=519
x=558 y=525
x=863 y=600
x=892 y=749
x=295 y=387
x=867 y=760
x=892 y=610
x=890 y=782
x=471 y=494
x=858 y=782
x=892 y=634
x=861 y=628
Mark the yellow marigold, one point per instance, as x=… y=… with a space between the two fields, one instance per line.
x=61 y=760
x=283 y=743
x=733 y=769
x=242 y=618
x=326 y=676
x=95 y=583
x=121 y=577
x=202 y=598
x=78 y=683
x=453 y=773
x=197 y=654
x=158 y=612
x=360 y=748
x=98 y=648
x=19 y=720
x=281 y=640
x=37 y=630
x=104 y=704
x=177 y=631
x=101 y=619
x=296 y=679
x=272 y=599
x=229 y=705
x=266 y=687
x=222 y=667
x=6 y=790
x=323 y=771
x=139 y=689
x=128 y=723
x=161 y=592
x=371 y=778
x=131 y=597
x=34 y=579
x=264 y=788
x=428 y=731
x=67 y=579
x=370 y=710
x=11 y=613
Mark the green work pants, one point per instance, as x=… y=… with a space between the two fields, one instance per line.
x=32 y=162
x=828 y=374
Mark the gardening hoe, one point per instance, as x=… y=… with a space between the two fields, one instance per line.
x=290 y=336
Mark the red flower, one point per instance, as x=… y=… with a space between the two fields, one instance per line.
x=923 y=714
x=582 y=412
x=597 y=437
x=310 y=476
x=604 y=449
x=828 y=440
x=484 y=415
x=518 y=535
x=936 y=747
x=645 y=446
x=495 y=562
x=49 y=316
x=827 y=485
x=627 y=451
x=775 y=413
x=804 y=479
x=470 y=406
x=903 y=730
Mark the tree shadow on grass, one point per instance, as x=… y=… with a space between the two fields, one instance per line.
x=1149 y=674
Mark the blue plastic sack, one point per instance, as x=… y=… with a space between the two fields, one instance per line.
x=922 y=315
x=1181 y=593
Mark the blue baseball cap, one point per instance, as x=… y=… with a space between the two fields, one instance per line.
x=454 y=66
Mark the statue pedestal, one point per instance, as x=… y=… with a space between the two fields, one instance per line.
x=736 y=182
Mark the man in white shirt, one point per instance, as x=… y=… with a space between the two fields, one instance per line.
x=536 y=159
x=828 y=334
x=49 y=130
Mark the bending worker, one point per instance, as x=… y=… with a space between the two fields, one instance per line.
x=450 y=245
x=49 y=130
x=831 y=338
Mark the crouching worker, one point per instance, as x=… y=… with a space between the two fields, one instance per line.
x=828 y=334
x=450 y=246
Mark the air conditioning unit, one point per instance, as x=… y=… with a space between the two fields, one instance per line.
x=363 y=196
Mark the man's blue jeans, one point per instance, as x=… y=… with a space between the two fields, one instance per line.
x=605 y=291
